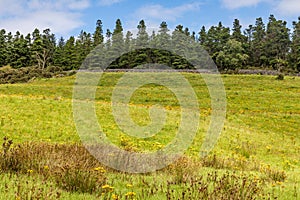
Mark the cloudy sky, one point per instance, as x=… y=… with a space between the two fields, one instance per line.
x=68 y=17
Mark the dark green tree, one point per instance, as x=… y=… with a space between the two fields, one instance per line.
x=70 y=58
x=43 y=47
x=257 y=48
x=237 y=32
x=9 y=48
x=295 y=46
x=3 y=48
x=117 y=46
x=248 y=45
x=59 y=54
x=217 y=37
x=202 y=36
x=20 y=52
x=162 y=40
x=98 y=37
x=83 y=46
x=232 y=56
x=277 y=43
x=142 y=35
x=118 y=37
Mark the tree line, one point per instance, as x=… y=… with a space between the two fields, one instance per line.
x=270 y=45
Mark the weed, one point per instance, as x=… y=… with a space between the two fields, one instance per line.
x=280 y=77
x=274 y=175
x=215 y=186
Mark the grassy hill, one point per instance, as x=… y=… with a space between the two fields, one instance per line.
x=260 y=142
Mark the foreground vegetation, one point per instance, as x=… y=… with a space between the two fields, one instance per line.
x=257 y=155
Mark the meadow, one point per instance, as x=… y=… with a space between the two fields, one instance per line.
x=257 y=155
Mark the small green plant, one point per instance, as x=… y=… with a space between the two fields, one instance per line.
x=7 y=143
x=78 y=180
x=280 y=77
x=273 y=174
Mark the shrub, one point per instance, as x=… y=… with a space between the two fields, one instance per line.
x=25 y=74
x=74 y=179
x=215 y=186
x=280 y=77
x=70 y=166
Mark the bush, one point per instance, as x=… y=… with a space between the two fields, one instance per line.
x=25 y=74
x=280 y=77
x=217 y=186
x=71 y=167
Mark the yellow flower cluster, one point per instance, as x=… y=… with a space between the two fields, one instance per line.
x=99 y=169
x=107 y=188
x=115 y=197
x=130 y=194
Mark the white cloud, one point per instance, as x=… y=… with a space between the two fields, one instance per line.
x=109 y=2
x=233 y=4
x=288 y=7
x=61 y=16
x=283 y=7
x=158 y=12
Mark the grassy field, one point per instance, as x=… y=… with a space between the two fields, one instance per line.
x=257 y=154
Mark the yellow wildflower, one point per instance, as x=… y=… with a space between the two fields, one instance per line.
x=114 y=196
x=130 y=194
x=100 y=169
x=107 y=188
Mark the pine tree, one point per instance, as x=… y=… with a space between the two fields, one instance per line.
x=180 y=47
x=217 y=37
x=3 y=48
x=249 y=43
x=36 y=47
x=117 y=47
x=142 y=35
x=70 y=58
x=9 y=48
x=257 y=51
x=98 y=37
x=126 y=60
x=83 y=46
x=163 y=39
x=202 y=36
x=277 y=43
x=118 y=37
x=21 y=53
x=295 y=46
x=58 y=57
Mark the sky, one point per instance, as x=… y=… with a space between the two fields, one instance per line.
x=69 y=17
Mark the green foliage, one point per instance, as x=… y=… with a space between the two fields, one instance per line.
x=98 y=37
x=25 y=74
x=280 y=77
x=232 y=56
x=260 y=45
x=295 y=46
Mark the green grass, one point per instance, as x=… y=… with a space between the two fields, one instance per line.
x=261 y=128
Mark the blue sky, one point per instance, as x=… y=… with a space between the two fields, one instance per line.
x=68 y=17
